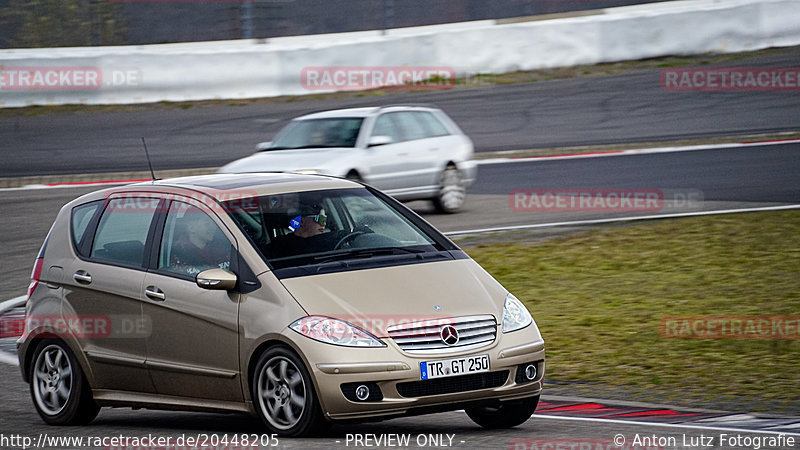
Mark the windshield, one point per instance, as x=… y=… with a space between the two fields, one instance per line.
x=317 y=227
x=318 y=133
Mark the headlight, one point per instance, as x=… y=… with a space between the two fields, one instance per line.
x=515 y=315
x=308 y=171
x=333 y=331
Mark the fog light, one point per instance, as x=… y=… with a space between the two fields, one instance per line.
x=530 y=372
x=362 y=392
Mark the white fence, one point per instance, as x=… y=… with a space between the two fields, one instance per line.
x=257 y=68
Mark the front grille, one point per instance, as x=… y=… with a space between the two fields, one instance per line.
x=450 y=385
x=426 y=337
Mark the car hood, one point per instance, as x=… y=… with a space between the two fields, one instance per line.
x=375 y=299
x=287 y=160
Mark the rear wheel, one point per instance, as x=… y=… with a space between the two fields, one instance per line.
x=452 y=193
x=284 y=395
x=507 y=415
x=59 y=389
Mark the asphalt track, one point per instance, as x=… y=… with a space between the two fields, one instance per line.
x=629 y=107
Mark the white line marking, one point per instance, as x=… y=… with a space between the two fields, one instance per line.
x=620 y=219
x=632 y=152
x=663 y=425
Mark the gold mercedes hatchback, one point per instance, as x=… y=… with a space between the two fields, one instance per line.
x=302 y=299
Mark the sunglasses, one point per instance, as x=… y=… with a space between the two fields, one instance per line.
x=320 y=219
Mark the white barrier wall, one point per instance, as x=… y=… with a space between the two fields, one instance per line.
x=257 y=68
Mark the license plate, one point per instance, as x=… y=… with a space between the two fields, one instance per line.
x=453 y=367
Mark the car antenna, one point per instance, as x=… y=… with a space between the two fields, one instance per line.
x=147 y=154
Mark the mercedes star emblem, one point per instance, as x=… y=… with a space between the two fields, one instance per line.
x=449 y=335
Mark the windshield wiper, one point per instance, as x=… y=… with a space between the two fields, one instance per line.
x=366 y=253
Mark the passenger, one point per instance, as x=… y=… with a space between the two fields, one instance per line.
x=198 y=249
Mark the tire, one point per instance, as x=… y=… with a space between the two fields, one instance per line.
x=452 y=194
x=507 y=415
x=58 y=387
x=284 y=395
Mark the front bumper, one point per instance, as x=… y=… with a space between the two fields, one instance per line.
x=396 y=374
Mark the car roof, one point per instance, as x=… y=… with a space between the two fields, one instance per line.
x=349 y=112
x=231 y=186
x=362 y=112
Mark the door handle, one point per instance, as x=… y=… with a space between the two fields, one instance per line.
x=434 y=149
x=154 y=293
x=82 y=277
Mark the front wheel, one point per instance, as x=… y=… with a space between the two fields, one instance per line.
x=284 y=395
x=507 y=415
x=59 y=389
x=452 y=193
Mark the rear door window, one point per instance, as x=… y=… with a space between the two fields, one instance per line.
x=410 y=127
x=432 y=125
x=122 y=232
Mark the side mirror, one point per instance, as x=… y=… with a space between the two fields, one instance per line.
x=375 y=141
x=216 y=279
x=261 y=146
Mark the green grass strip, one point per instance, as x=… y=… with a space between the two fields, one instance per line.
x=599 y=298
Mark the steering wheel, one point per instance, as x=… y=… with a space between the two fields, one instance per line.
x=348 y=238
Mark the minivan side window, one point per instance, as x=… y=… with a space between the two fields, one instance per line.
x=81 y=216
x=384 y=126
x=431 y=123
x=122 y=231
x=192 y=242
x=410 y=127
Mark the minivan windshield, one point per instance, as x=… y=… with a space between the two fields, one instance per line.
x=318 y=133
x=317 y=227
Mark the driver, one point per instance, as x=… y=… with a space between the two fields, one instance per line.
x=310 y=225
x=304 y=227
